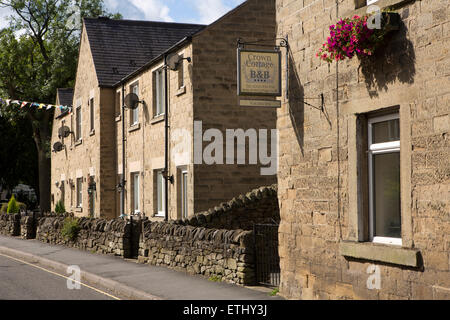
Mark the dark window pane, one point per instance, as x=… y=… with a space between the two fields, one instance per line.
x=386 y=131
x=387 y=195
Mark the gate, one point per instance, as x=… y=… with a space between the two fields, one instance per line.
x=267 y=259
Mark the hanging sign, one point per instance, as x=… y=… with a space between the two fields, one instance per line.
x=259 y=72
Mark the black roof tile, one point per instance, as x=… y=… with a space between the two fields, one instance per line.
x=65 y=96
x=120 y=47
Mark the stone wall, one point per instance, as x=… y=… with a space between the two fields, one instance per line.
x=10 y=224
x=259 y=206
x=96 y=235
x=225 y=254
x=320 y=190
x=28 y=226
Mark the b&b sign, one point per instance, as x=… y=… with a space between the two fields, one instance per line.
x=259 y=73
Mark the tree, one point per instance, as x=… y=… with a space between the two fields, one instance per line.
x=18 y=155
x=40 y=60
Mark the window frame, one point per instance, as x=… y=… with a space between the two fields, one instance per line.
x=136 y=192
x=184 y=194
x=92 y=114
x=180 y=72
x=117 y=106
x=160 y=194
x=134 y=114
x=159 y=92
x=78 y=123
x=79 y=191
x=377 y=149
x=370 y=2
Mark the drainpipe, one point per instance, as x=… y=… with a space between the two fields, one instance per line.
x=123 y=182
x=166 y=169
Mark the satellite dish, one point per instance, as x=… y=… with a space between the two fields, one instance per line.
x=64 y=132
x=57 y=147
x=173 y=61
x=132 y=101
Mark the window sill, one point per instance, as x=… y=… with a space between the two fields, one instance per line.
x=158 y=119
x=157 y=215
x=134 y=127
x=362 y=9
x=118 y=118
x=79 y=143
x=78 y=209
x=382 y=253
x=181 y=91
x=92 y=133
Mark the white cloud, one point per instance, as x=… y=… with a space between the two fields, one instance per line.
x=140 y=9
x=210 y=10
x=153 y=9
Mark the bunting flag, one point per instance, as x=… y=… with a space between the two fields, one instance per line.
x=40 y=106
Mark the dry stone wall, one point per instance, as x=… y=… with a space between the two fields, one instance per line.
x=10 y=224
x=259 y=206
x=222 y=254
x=95 y=235
x=28 y=227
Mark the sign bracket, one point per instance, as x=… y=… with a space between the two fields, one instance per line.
x=321 y=108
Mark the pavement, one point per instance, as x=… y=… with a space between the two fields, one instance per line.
x=111 y=277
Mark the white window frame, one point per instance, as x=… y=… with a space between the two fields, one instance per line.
x=376 y=149
x=79 y=193
x=180 y=72
x=160 y=190
x=184 y=194
x=135 y=178
x=159 y=92
x=134 y=114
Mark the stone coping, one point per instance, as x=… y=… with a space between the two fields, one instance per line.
x=242 y=201
x=382 y=253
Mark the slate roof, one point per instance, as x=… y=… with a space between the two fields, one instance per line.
x=120 y=47
x=65 y=96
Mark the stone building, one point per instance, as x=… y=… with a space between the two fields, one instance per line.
x=348 y=232
x=119 y=57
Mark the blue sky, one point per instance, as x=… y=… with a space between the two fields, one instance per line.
x=191 y=11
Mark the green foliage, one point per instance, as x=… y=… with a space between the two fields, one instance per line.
x=38 y=54
x=59 y=208
x=19 y=154
x=70 y=229
x=274 y=292
x=215 y=279
x=4 y=208
x=13 y=206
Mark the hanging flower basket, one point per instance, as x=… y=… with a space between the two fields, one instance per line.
x=352 y=36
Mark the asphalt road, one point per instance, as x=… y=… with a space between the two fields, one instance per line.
x=22 y=281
